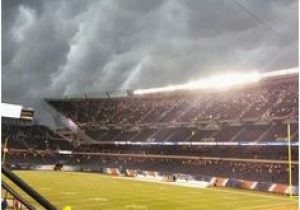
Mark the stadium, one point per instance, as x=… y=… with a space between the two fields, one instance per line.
x=150 y=105
x=234 y=148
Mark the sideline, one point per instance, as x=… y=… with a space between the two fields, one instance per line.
x=252 y=193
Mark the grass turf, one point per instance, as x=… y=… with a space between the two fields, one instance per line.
x=84 y=191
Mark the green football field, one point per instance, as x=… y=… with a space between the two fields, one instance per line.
x=83 y=191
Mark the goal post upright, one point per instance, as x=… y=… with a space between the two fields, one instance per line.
x=289 y=157
x=4 y=151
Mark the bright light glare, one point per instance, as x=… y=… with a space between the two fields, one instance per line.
x=219 y=82
x=280 y=72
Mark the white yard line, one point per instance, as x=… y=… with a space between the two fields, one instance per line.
x=134 y=206
x=68 y=193
x=97 y=199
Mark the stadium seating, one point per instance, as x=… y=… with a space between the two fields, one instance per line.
x=278 y=99
x=32 y=137
x=268 y=101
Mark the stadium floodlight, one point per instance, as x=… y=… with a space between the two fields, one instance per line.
x=219 y=82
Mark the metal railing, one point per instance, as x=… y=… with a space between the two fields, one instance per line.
x=17 y=196
x=27 y=189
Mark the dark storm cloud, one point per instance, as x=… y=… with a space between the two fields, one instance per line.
x=51 y=48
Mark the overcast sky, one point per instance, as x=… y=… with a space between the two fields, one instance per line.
x=51 y=48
